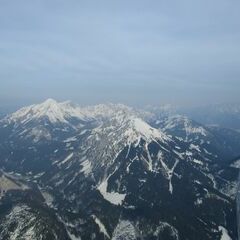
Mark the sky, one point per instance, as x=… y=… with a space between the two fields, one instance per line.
x=133 y=52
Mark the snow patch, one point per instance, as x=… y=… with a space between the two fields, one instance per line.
x=47 y=197
x=66 y=159
x=169 y=171
x=86 y=167
x=194 y=147
x=225 y=235
x=236 y=164
x=101 y=226
x=71 y=139
x=7 y=184
x=124 y=230
x=198 y=161
x=112 y=197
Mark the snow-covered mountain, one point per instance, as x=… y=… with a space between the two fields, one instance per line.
x=113 y=172
x=49 y=110
x=210 y=139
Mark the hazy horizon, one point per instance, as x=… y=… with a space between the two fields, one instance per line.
x=136 y=53
x=10 y=107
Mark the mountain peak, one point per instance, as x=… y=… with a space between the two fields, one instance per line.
x=50 y=109
x=139 y=128
x=50 y=101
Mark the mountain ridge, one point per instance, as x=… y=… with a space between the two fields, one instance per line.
x=116 y=172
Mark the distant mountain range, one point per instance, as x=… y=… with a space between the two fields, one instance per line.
x=223 y=115
x=114 y=172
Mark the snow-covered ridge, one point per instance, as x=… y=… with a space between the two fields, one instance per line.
x=125 y=129
x=51 y=109
x=62 y=111
x=113 y=118
x=108 y=110
x=139 y=128
x=187 y=124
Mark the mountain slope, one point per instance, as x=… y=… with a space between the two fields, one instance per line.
x=108 y=174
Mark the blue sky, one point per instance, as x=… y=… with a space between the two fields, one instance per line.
x=135 y=52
